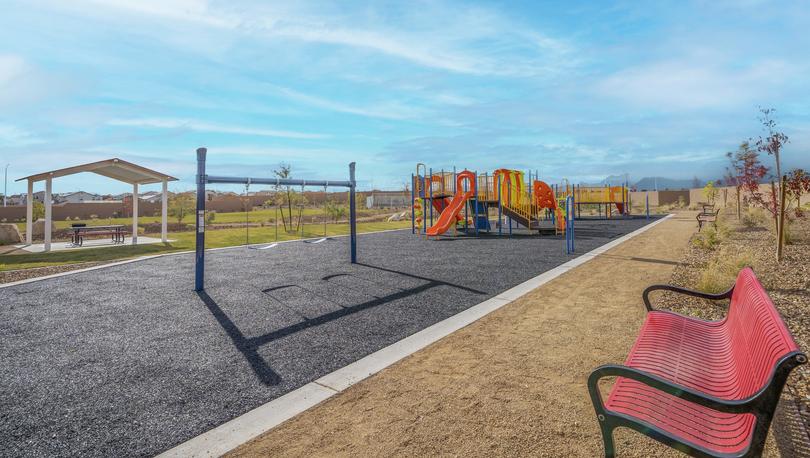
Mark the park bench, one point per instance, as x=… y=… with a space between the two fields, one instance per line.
x=707 y=215
x=706 y=388
x=82 y=231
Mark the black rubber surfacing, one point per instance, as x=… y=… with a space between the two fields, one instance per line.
x=130 y=361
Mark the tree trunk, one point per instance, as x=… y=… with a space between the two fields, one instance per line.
x=781 y=227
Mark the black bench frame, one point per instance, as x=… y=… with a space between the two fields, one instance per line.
x=762 y=404
x=707 y=215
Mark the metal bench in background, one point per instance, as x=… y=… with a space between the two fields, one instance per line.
x=707 y=215
x=706 y=388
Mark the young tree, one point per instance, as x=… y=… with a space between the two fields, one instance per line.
x=283 y=194
x=181 y=205
x=334 y=210
x=710 y=192
x=745 y=171
x=774 y=140
x=38 y=210
x=796 y=185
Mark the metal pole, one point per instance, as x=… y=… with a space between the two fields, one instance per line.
x=199 y=259
x=430 y=193
x=475 y=194
x=500 y=207
x=413 y=210
x=5 y=186
x=352 y=214
x=647 y=205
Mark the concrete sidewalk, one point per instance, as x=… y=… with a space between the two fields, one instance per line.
x=511 y=384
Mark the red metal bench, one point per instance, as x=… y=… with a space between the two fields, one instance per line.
x=706 y=388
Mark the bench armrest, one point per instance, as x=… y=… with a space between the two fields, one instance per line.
x=661 y=384
x=678 y=289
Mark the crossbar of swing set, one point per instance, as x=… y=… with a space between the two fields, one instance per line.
x=203 y=179
x=211 y=179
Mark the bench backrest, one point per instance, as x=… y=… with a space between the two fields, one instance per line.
x=759 y=336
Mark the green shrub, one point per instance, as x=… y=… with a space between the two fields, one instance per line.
x=753 y=217
x=712 y=235
x=721 y=272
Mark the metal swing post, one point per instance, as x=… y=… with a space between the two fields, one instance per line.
x=199 y=252
x=352 y=215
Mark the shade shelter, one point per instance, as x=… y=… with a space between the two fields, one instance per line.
x=115 y=168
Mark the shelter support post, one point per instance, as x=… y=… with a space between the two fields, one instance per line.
x=134 y=213
x=29 y=214
x=48 y=213
x=164 y=212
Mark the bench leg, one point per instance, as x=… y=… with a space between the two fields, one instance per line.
x=607 y=439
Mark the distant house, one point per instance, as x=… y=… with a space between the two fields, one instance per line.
x=151 y=196
x=77 y=197
x=16 y=199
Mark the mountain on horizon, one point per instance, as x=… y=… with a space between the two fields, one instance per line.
x=663 y=184
x=652 y=183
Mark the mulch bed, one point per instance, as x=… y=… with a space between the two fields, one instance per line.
x=788 y=284
x=9 y=276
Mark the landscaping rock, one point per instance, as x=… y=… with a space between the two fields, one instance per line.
x=9 y=234
x=39 y=228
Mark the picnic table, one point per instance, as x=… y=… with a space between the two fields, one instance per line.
x=80 y=231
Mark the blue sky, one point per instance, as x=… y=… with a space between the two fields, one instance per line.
x=580 y=90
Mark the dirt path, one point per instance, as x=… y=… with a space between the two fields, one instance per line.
x=511 y=384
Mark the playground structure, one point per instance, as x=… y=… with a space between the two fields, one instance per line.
x=604 y=198
x=466 y=201
x=203 y=179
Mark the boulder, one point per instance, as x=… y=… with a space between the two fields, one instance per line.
x=9 y=234
x=39 y=228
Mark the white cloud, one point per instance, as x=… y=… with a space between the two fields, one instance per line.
x=202 y=126
x=478 y=41
x=12 y=136
x=385 y=111
x=11 y=68
x=689 y=84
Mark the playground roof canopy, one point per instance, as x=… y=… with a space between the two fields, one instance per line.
x=114 y=168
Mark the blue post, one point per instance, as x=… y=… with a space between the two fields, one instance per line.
x=199 y=257
x=569 y=225
x=466 y=208
x=430 y=192
x=413 y=210
x=500 y=207
x=352 y=214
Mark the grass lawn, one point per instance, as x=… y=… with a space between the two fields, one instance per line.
x=183 y=241
x=257 y=215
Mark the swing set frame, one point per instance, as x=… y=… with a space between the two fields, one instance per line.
x=203 y=179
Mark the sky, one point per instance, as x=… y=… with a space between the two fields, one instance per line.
x=576 y=90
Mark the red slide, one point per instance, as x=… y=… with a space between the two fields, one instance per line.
x=451 y=212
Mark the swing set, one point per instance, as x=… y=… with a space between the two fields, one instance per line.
x=247 y=207
x=203 y=179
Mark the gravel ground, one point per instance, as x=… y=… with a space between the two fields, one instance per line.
x=129 y=361
x=788 y=285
